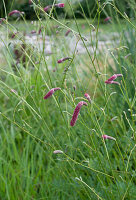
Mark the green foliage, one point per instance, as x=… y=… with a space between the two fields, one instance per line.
x=32 y=128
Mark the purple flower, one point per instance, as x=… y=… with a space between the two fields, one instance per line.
x=76 y=112
x=15 y=12
x=59 y=5
x=107 y=19
x=57 y=152
x=14 y=34
x=66 y=34
x=47 y=8
x=87 y=96
x=108 y=137
x=112 y=78
x=50 y=93
x=40 y=30
x=112 y=82
x=63 y=59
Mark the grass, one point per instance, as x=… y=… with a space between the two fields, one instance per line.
x=32 y=128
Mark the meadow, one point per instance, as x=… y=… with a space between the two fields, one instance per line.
x=44 y=156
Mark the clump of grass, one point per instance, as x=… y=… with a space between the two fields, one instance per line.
x=42 y=154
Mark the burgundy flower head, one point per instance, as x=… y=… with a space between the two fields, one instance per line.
x=107 y=19
x=47 y=8
x=13 y=35
x=112 y=78
x=87 y=96
x=15 y=12
x=112 y=82
x=108 y=137
x=63 y=59
x=40 y=30
x=66 y=34
x=76 y=112
x=59 y=5
x=50 y=93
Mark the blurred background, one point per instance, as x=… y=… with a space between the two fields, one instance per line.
x=89 y=8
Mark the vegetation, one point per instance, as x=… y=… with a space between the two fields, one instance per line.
x=87 y=165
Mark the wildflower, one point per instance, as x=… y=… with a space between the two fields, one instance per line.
x=107 y=19
x=40 y=30
x=112 y=82
x=108 y=137
x=14 y=34
x=15 y=12
x=59 y=5
x=76 y=112
x=114 y=77
x=87 y=96
x=66 y=34
x=50 y=93
x=57 y=152
x=47 y=8
x=63 y=59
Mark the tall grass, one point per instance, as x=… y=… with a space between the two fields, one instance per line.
x=33 y=128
